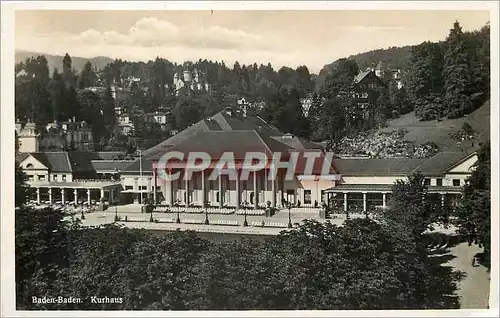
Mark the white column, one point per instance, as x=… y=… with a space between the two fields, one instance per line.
x=38 y=195
x=102 y=193
x=170 y=189
x=384 y=204
x=273 y=192
x=111 y=195
x=364 y=201
x=255 y=191
x=220 y=191
x=238 y=191
x=187 y=192
x=154 y=192
x=50 y=195
x=88 y=196
x=203 y=189
x=345 y=201
x=75 y=193
x=63 y=199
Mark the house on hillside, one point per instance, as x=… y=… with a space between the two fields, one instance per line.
x=193 y=80
x=365 y=90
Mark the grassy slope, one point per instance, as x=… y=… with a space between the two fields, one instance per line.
x=439 y=132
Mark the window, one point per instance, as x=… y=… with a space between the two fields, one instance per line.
x=439 y=182
x=456 y=182
x=307 y=196
x=54 y=177
x=64 y=177
x=41 y=178
x=143 y=187
x=129 y=187
x=31 y=178
x=427 y=181
x=29 y=166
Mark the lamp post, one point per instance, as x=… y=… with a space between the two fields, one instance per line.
x=245 y=223
x=151 y=212
x=289 y=206
x=116 y=214
x=206 y=217
x=178 y=220
x=140 y=174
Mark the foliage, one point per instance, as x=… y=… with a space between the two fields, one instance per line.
x=457 y=74
x=22 y=190
x=451 y=78
x=474 y=212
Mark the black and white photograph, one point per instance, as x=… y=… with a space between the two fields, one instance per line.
x=249 y=158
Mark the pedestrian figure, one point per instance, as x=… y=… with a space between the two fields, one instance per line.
x=474 y=261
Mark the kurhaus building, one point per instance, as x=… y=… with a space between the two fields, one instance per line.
x=352 y=184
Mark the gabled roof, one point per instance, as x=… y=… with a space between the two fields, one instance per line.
x=441 y=162
x=466 y=157
x=370 y=167
x=108 y=155
x=103 y=166
x=80 y=161
x=21 y=156
x=54 y=161
x=361 y=76
x=239 y=142
x=298 y=143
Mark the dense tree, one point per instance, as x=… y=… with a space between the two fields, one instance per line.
x=32 y=97
x=457 y=74
x=332 y=122
x=93 y=114
x=58 y=96
x=68 y=75
x=425 y=85
x=87 y=76
x=474 y=212
x=285 y=112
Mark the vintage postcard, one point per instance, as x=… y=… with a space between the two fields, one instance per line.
x=249 y=158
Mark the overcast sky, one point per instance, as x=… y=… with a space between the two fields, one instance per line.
x=292 y=38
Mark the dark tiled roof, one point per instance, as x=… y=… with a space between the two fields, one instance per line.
x=102 y=166
x=108 y=155
x=298 y=143
x=203 y=125
x=21 y=156
x=361 y=76
x=58 y=161
x=439 y=163
x=80 y=161
x=215 y=143
x=392 y=166
x=41 y=156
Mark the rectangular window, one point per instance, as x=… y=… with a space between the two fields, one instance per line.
x=129 y=187
x=439 y=182
x=41 y=178
x=54 y=177
x=427 y=181
x=31 y=178
x=307 y=196
x=64 y=177
x=456 y=182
